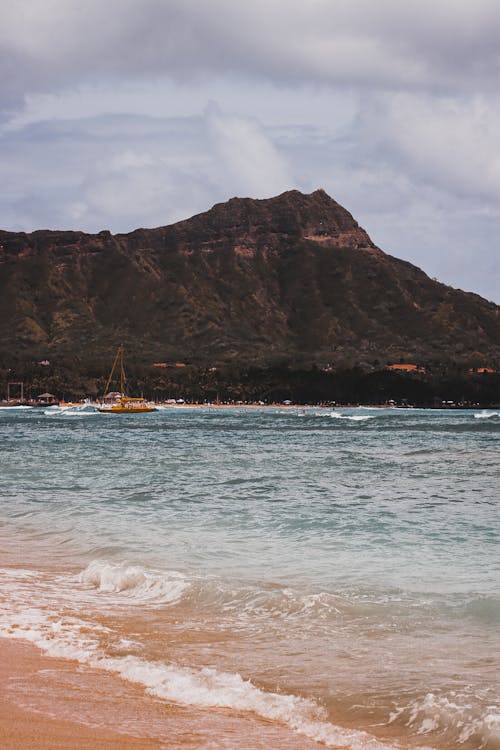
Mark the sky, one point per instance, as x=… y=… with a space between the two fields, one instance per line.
x=138 y=113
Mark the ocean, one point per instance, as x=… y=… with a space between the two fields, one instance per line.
x=273 y=577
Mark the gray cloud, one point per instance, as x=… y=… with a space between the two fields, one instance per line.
x=449 y=44
x=120 y=172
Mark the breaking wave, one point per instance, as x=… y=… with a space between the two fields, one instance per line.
x=134 y=582
x=352 y=417
x=71 y=638
x=14 y=409
x=455 y=718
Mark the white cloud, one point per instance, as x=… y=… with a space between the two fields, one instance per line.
x=452 y=143
x=249 y=159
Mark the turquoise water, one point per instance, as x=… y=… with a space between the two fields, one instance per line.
x=340 y=569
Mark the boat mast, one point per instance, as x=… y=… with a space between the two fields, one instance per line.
x=120 y=349
x=122 y=373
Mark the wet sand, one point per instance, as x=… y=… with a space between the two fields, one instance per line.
x=25 y=722
x=56 y=704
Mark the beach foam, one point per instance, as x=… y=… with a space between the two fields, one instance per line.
x=73 y=638
x=209 y=688
x=454 y=717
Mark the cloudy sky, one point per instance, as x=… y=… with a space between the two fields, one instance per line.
x=128 y=113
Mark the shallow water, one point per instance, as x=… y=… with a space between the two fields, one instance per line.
x=332 y=573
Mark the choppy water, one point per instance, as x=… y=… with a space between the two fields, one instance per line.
x=334 y=572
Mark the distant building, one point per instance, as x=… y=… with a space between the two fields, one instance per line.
x=169 y=364
x=404 y=367
x=482 y=370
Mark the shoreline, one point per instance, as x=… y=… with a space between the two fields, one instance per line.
x=31 y=726
x=273 y=405
x=52 y=703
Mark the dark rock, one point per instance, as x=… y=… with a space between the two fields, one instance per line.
x=288 y=279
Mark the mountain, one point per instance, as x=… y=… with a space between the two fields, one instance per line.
x=289 y=279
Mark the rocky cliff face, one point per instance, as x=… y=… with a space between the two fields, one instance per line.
x=291 y=278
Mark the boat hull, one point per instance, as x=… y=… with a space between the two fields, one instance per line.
x=127 y=409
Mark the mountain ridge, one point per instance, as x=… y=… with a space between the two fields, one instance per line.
x=292 y=278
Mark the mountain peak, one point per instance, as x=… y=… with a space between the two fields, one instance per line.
x=293 y=215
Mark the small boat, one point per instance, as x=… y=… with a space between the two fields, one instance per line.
x=126 y=405
x=117 y=402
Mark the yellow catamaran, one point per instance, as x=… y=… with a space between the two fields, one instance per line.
x=118 y=403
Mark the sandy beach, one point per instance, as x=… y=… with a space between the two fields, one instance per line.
x=54 y=704
x=26 y=722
